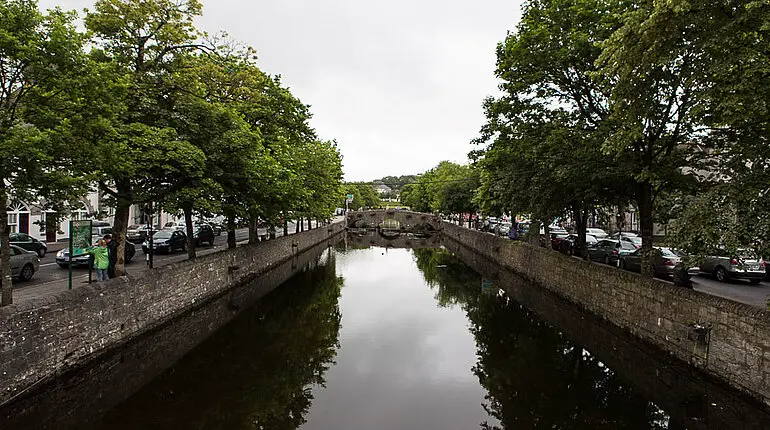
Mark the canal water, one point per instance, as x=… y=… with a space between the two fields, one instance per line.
x=373 y=337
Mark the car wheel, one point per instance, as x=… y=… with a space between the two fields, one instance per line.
x=721 y=274
x=184 y=246
x=26 y=272
x=41 y=252
x=607 y=260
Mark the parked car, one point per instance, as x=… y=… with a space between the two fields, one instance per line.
x=203 y=233
x=746 y=265
x=557 y=239
x=137 y=233
x=634 y=240
x=29 y=243
x=24 y=263
x=567 y=246
x=623 y=234
x=84 y=260
x=609 y=251
x=217 y=227
x=175 y=225
x=664 y=262
x=100 y=231
x=597 y=233
x=554 y=229
x=166 y=241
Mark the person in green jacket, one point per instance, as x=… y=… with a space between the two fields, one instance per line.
x=101 y=260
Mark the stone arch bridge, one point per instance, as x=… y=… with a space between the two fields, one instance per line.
x=406 y=220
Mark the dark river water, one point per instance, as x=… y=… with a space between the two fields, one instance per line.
x=383 y=338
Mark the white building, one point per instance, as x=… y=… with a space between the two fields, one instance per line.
x=31 y=218
x=382 y=189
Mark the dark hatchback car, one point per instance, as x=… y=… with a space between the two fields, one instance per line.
x=609 y=250
x=83 y=260
x=203 y=233
x=29 y=243
x=166 y=241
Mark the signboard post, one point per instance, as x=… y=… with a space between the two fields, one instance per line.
x=80 y=239
x=348 y=201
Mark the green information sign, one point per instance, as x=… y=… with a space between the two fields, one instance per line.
x=80 y=239
x=80 y=235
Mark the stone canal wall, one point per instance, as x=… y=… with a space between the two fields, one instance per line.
x=736 y=349
x=43 y=338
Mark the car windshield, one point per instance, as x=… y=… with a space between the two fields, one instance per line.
x=635 y=240
x=627 y=245
x=162 y=235
x=667 y=252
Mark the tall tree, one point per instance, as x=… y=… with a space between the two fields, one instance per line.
x=544 y=135
x=144 y=41
x=41 y=59
x=732 y=208
x=652 y=68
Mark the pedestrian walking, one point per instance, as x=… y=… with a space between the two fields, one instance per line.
x=101 y=260
x=112 y=254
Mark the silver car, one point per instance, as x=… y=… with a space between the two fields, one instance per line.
x=746 y=265
x=24 y=263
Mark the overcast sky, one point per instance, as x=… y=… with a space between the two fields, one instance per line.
x=398 y=83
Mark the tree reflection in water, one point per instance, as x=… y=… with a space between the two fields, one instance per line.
x=256 y=372
x=535 y=378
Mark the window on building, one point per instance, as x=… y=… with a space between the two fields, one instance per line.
x=13 y=223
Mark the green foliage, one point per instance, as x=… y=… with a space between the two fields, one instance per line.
x=543 y=153
x=155 y=112
x=364 y=195
x=654 y=104
x=41 y=59
x=447 y=188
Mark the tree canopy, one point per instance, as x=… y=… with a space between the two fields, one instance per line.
x=149 y=109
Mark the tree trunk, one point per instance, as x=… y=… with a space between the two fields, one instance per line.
x=469 y=220
x=191 y=242
x=285 y=227
x=296 y=227
x=581 y=223
x=231 y=232
x=646 y=224
x=309 y=223
x=119 y=227
x=272 y=232
x=301 y=224
x=253 y=231
x=6 y=286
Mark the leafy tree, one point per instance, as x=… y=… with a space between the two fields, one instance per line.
x=364 y=195
x=652 y=68
x=142 y=154
x=41 y=62
x=729 y=43
x=448 y=188
x=544 y=135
